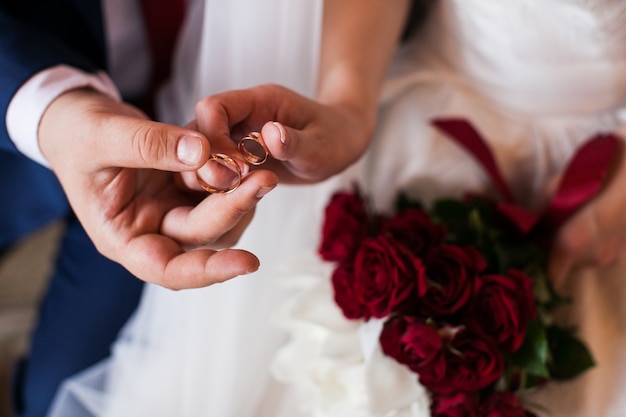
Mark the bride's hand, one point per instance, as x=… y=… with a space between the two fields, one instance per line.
x=317 y=138
x=596 y=234
x=308 y=141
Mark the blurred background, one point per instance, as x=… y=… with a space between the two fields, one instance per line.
x=22 y=279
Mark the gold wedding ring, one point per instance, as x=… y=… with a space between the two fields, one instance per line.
x=254 y=151
x=253 y=148
x=229 y=163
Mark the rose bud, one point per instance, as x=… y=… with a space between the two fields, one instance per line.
x=345 y=226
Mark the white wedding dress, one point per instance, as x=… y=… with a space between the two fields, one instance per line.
x=536 y=77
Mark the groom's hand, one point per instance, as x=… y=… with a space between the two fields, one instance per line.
x=119 y=171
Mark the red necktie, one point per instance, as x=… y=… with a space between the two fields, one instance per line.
x=163 y=20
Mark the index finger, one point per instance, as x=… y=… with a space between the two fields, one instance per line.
x=237 y=112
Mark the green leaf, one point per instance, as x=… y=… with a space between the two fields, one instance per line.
x=570 y=357
x=453 y=214
x=532 y=356
x=517 y=254
x=542 y=287
x=403 y=202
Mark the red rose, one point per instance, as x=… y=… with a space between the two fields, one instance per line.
x=343 y=285
x=410 y=341
x=385 y=275
x=503 y=404
x=414 y=228
x=471 y=362
x=502 y=308
x=345 y=226
x=457 y=404
x=451 y=271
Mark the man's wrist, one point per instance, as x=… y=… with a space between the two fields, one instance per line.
x=33 y=98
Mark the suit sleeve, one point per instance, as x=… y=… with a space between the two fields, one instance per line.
x=35 y=42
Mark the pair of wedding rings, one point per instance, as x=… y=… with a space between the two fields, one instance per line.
x=221 y=174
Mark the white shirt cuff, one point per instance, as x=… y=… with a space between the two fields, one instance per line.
x=33 y=98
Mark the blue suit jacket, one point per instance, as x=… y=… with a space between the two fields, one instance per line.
x=37 y=34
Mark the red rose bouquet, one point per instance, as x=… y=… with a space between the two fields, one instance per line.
x=465 y=299
x=438 y=311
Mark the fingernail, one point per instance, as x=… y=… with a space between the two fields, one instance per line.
x=245 y=168
x=264 y=190
x=189 y=149
x=283 y=134
x=249 y=271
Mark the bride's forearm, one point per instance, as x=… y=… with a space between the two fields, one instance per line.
x=316 y=139
x=358 y=42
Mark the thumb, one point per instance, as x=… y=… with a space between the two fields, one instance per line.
x=282 y=141
x=304 y=155
x=107 y=133
x=158 y=146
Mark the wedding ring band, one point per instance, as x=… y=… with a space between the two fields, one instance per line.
x=258 y=144
x=227 y=160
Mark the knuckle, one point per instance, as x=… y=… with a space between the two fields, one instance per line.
x=271 y=87
x=207 y=105
x=275 y=91
x=149 y=143
x=170 y=282
x=105 y=249
x=239 y=212
x=202 y=105
x=236 y=217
